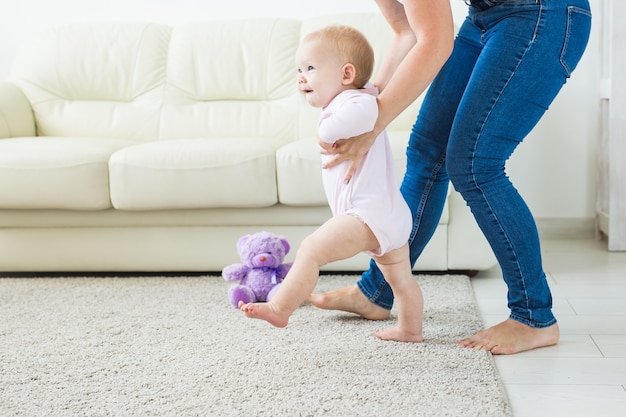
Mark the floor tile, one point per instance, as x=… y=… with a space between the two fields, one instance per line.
x=567 y=400
x=611 y=346
x=600 y=324
x=599 y=306
x=606 y=290
x=561 y=370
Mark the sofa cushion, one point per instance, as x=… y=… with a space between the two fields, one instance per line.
x=56 y=173
x=299 y=174
x=95 y=79
x=194 y=173
x=232 y=79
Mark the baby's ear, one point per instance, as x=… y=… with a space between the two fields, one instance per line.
x=349 y=74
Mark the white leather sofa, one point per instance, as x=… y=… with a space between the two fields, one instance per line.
x=137 y=146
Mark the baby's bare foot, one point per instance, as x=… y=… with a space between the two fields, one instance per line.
x=511 y=337
x=394 y=333
x=264 y=311
x=349 y=299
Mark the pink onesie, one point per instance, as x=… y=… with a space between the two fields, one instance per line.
x=372 y=194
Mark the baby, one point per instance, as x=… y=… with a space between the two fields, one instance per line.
x=370 y=215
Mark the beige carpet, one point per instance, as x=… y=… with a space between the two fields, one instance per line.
x=173 y=346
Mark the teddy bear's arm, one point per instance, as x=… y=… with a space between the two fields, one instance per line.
x=234 y=272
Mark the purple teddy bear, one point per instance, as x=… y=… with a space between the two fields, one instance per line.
x=261 y=270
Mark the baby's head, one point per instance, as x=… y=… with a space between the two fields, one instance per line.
x=331 y=60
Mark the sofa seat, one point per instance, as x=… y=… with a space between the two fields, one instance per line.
x=68 y=173
x=194 y=173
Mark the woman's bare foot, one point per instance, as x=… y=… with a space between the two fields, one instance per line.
x=264 y=311
x=511 y=337
x=349 y=299
x=394 y=333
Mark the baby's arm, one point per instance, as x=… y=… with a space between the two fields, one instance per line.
x=354 y=116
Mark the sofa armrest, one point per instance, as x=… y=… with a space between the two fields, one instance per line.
x=16 y=115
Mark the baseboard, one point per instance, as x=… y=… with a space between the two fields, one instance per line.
x=578 y=228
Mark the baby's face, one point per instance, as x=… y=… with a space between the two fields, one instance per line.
x=320 y=73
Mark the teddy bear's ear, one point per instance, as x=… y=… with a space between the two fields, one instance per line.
x=242 y=241
x=285 y=243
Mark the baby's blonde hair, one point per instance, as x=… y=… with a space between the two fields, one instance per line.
x=352 y=46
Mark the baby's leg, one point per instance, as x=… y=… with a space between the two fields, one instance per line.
x=339 y=238
x=396 y=268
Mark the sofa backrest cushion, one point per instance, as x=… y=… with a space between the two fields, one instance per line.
x=232 y=78
x=95 y=80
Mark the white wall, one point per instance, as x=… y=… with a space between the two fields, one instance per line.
x=554 y=169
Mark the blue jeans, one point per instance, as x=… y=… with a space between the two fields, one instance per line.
x=509 y=63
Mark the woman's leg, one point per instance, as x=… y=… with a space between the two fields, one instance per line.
x=529 y=50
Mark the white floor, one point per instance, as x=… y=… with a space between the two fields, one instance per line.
x=585 y=374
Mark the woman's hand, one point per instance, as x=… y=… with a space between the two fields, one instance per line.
x=327 y=148
x=350 y=150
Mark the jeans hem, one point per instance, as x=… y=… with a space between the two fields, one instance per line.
x=532 y=323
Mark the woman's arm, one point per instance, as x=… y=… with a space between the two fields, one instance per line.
x=423 y=38
x=402 y=42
